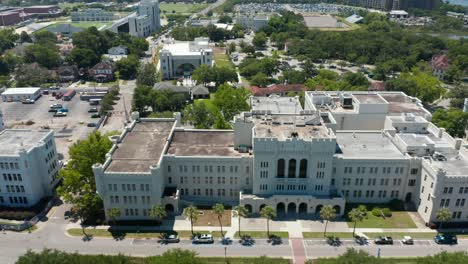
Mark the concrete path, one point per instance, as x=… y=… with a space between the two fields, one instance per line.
x=299 y=255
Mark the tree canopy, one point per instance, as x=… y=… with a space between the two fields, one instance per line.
x=455 y=121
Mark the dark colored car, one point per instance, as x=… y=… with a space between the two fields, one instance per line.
x=275 y=240
x=92 y=124
x=246 y=241
x=226 y=241
x=170 y=239
x=361 y=240
x=446 y=239
x=93 y=110
x=334 y=241
x=384 y=240
x=95 y=116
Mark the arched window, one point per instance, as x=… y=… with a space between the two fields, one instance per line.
x=303 y=168
x=292 y=168
x=280 y=168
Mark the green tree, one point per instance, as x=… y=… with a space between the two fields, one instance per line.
x=293 y=77
x=260 y=79
x=356 y=215
x=220 y=122
x=142 y=97
x=443 y=215
x=31 y=74
x=198 y=115
x=457 y=96
x=128 y=67
x=158 y=212
x=327 y=213
x=8 y=37
x=240 y=211
x=78 y=185
x=84 y=58
x=269 y=213
x=181 y=256
x=203 y=74
x=225 y=19
x=455 y=121
x=45 y=37
x=24 y=37
x=218 y=210
x=232 y=47
x=192 y=214
x=231 y=101
x=114 y=213
x=138 y=46
x=259 y=40
x=46 y=55
x=146 y=75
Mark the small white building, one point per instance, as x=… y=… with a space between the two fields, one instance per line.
x=20 y=94
x=397 y=14
x=118 y=50
x=28 y=166
x=180 y=58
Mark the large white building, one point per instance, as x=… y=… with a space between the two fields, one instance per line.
x=20 y=94
x=28 y=166
x=180 y=58
x=359 y=147
x=92 y=14
x=146 y=20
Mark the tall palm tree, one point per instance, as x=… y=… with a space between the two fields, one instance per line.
x=240 y=211
x=113 y=213
x=356 y=215
x=191 y=213
x=443 y=215
x=218 y=209
x=269 y=213
x=157 y=211
x=327 y=213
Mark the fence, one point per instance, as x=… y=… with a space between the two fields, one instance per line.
x=29 y=223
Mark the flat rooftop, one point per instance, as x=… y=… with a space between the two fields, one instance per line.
x=454 y=166
x=13 y=140
x=399 y=103
x=25 y=90
x=141 y=147
x=367 y=145
x=304 y=127
x=411 y=139
x=203 y=143
x=369 y=99
x=184 y=48
x=276 y=104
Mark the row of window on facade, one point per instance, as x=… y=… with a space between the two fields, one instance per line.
x=115 y=199
x=14 y=189
x=136 y=212
x=9 y=165
x=373 y=170
x=446 y=202
x=49 y=144
x=208 y=180
x=449 y=190
x=52 y=166
x=372 y=181
x=370 y=193
x=15 y=200
x=207 y=169
x=291 y=173
x=12 y=177
x=128 y=187
x=49 y=156
x=209 y=192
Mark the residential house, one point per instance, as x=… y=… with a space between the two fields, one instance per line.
x=199 y=92
x=67 y=73
x=103 y=71
x=161 y=86
x=440 y=65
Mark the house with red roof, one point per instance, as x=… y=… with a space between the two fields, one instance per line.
x=279 y=89
x=440 y=65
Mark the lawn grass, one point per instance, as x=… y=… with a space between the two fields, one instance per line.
x=262 y=234
x=209 y=103
x=184 y=234
x=168 y=8
x=221 y=58
x=394 y=235
x=244 y=260
x=320 y=234
x=399 y=219
x=208 y=218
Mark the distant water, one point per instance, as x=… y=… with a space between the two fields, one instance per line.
x=459 y=2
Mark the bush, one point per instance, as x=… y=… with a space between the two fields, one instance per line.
x=376 y=212
x=387 y=212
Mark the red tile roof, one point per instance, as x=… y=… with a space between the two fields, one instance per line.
x=279 y=89
x=440 y=62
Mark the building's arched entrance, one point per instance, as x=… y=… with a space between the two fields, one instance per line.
x=261 y=207
x=280 y=208
x=169 y=209
x=292 y=208
x=318 y=208
x=303 y=208
x=185 y=70
x=408 y=197
x=249 y=208
x=337 y=209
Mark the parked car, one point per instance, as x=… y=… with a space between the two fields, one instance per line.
x=334 y=241
x=332 y=67
x=203 y=239
x=247 y=241
x=226 y=241
x=361 y=240
x=384 y=240
x=407 y=240
x=446 y=239
x=92 y=125
x=93 y=110
x=28 y=101
x=45 y=91
x=55 y=106
x=63 y=109
x=54 y=88
x=95 y=116
x=60 y=114
x=275 y=240
x=170 y=238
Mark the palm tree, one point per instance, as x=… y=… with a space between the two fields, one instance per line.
x=443 y=215
x=356 y=215
x=269 y=213
x=327 y=213
x=240 y=211
x=113 y=213
x=218 y=210
x=158 y=212
x=191 y=213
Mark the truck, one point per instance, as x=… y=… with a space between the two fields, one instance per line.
x=69 y=95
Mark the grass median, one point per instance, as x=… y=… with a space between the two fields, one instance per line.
x=184 y=234
x=400 y=235
x=261 y=234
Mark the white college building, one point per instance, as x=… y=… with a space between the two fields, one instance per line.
x=20 y=94
x=28 y=166
x=180 y=58
x=359 y=147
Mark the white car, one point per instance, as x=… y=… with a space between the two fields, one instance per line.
x=407 y=240
x=203 y=239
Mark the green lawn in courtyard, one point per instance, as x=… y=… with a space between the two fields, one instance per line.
x=208 y=102
x=399 y=219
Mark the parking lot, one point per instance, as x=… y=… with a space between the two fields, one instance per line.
x=348 y=243
x=68 y=129
x=217 y=243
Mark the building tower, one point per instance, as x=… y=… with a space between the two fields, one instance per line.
x=150 y=8
x=465 y=106
x=2 y=125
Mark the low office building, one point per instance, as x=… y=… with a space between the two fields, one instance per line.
x=180 y=58
x=358 y=147
x=28 y=166
x=92 y=14
x=252 y=22
x=21 y=94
